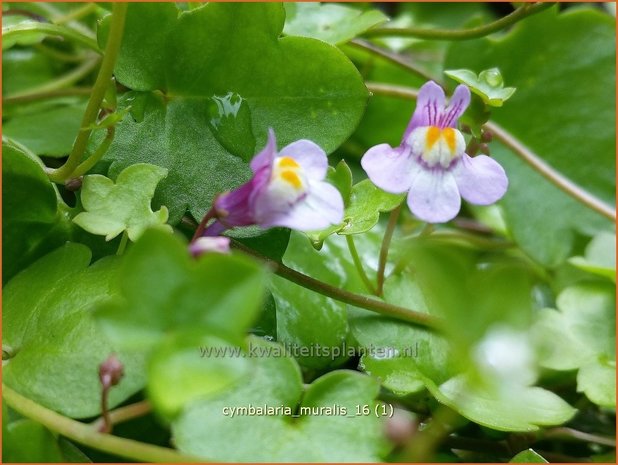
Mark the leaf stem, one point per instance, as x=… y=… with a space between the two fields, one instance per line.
x=123 y=243
x=549 y=173
x=93 y=159
x=575 y=435
x=386 y=243
x=523 y=152
x=78 y=13
x=101 y=84
x=54 y=30
x=88 y=436
x=31 y=97
x=462 y=34
x=422 y=320
x=392 y=57
x=358 y=264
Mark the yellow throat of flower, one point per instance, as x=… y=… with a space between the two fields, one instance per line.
x=437 y=145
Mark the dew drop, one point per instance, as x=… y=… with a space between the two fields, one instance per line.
x=230 y=122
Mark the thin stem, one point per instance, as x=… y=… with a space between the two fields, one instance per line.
x=123 y=243
x=13 y=32
x=56 y=16
x=48 y=95
x=88 y=436
x=122 y=414
x=358 y=264
x=59 y=55
x=93 y=159
x=521 y=151
x=78 y=13
x=202 y=226
x=462 y=34
x=386 y=243
x=63 y=81
x=575 y=435
x=392 y=57
x=101 y=84
x=549 y=173
x=392 y=90
x=106 y=427
x=422 y=320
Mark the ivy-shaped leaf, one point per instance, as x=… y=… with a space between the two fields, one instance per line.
x=521 y=408
x=112 y=208
x=581 y=335
x=366 y=203
x=331 y=23
x=362 y=211
x=55 y=347
x=221 y=96
x=49 y=130
x=171 y=306
x=489 y=84
x=164 y=291
x=34 y=221
x=327 y=428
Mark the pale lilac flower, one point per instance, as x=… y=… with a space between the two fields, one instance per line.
x=287 y=189
x=431 y=164
x=204 y=245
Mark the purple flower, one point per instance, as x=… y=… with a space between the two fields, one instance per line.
x=431 y=163
x=287 y=189
x=204 y=245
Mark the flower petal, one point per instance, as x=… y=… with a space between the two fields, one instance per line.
x=456 y=107
x=429 y=107
x=321 y=207
x=209 y=244
x=309 y=155
x=265 y=158
x=391 y=169
x=481 y=180
x=434 y=196
x=233 y=208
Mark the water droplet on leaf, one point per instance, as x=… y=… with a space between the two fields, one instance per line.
x=230 y=122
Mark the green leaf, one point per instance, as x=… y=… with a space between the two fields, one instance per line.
x=528 y=456
x=189 y=366
x=331 y=23
x=581 y=335
x=489 y=84
x=600 y=256
x=21 y=37
x=221 y=96
x=112 y=208
x=362 y=212
x=394 y=352
x=306 y=318
x=30 y=442
x=366 y=203
x=207 y=428
x=552 y=58
x=54 y=343
x=24 y=68
x=49 y=131
x=341 y=177
x=32 y=223
x=164 y=291
x=520 y=408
